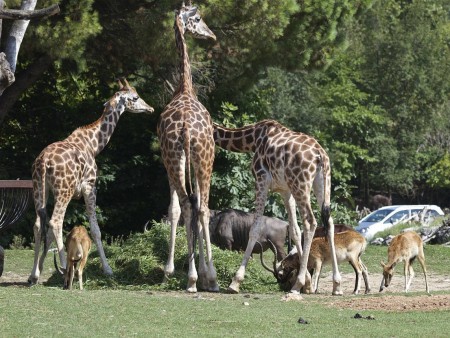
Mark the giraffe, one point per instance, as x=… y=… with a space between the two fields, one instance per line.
x=185 y=134
x=292 y=164
x=68 y=169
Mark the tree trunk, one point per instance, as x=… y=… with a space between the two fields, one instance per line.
x=6 y=75
x=24 y=80
x=16 y=35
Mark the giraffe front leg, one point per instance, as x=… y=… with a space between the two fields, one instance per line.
x=262 y=189
x=89 y=193
x=174 y=217
x=240 y=274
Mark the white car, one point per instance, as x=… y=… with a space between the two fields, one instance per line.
x=386 y=217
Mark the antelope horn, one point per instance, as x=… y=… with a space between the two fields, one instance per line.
x=61 y=270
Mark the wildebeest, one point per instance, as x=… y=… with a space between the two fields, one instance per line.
x=230 y=229
x=78 y=245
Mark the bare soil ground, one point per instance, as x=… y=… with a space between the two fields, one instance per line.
x=391 y=299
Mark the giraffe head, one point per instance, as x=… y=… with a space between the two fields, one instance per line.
x=129 y=98
x=192 y=22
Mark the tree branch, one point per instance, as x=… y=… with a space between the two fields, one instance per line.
x=23 y=81
x=17 y=14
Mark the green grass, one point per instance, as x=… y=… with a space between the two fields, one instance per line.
x=133 y=303
x=46 y=311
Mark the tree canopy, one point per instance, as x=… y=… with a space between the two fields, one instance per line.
x=369 y=79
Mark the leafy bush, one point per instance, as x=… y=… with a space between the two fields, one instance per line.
x=138 y=262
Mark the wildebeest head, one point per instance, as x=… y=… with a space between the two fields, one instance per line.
x=285 y=271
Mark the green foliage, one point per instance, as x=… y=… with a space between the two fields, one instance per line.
x=232 y=184
x=72 y=28
x=439 y=173
x=138 y=263
x=366 y=79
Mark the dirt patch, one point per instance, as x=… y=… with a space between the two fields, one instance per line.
x=395 y=303
x=390 y=299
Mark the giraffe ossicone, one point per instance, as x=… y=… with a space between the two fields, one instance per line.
x=293 y=164
x=68 y=169
x=185 y=134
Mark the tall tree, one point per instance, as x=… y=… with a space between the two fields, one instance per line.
x=71 y=29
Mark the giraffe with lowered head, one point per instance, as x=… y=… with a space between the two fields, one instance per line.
x=292 y=164
x=67 y=168
x=186 y=137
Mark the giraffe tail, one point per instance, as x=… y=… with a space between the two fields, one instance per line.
x=194 y=217
x=192 y=196
x=42 y=212
x=325 y=213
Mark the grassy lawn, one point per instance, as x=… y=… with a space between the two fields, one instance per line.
x=119 y=307
x=44 y=311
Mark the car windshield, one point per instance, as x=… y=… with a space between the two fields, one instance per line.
x=378 y=215
x=398 y=216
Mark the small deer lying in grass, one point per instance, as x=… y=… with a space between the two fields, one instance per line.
x=78 y=245
x=349 y=245
x=404 y=247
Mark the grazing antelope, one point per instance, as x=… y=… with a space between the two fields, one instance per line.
x=349 y=244
x=78 y=245
x=404 y=247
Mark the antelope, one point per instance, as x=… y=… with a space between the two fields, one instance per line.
x=78 y=245
x=404 y=247
x=349 y=244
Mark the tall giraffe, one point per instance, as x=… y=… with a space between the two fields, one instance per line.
x=68 y=169
x=186 y=137
x=292 y=164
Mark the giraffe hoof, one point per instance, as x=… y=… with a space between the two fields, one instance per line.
x=338 y=293
x=108 y=271
x=32 y=280
x=214 y=287
x=192 y=289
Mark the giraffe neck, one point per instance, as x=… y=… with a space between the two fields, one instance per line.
x=241 y=140
x=95 y=136
x=185 y=66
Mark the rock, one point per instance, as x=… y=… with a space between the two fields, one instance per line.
x=302 y=321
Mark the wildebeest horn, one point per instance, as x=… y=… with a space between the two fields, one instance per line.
x=274 y=270
x=61 y=270
x=262 y=260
